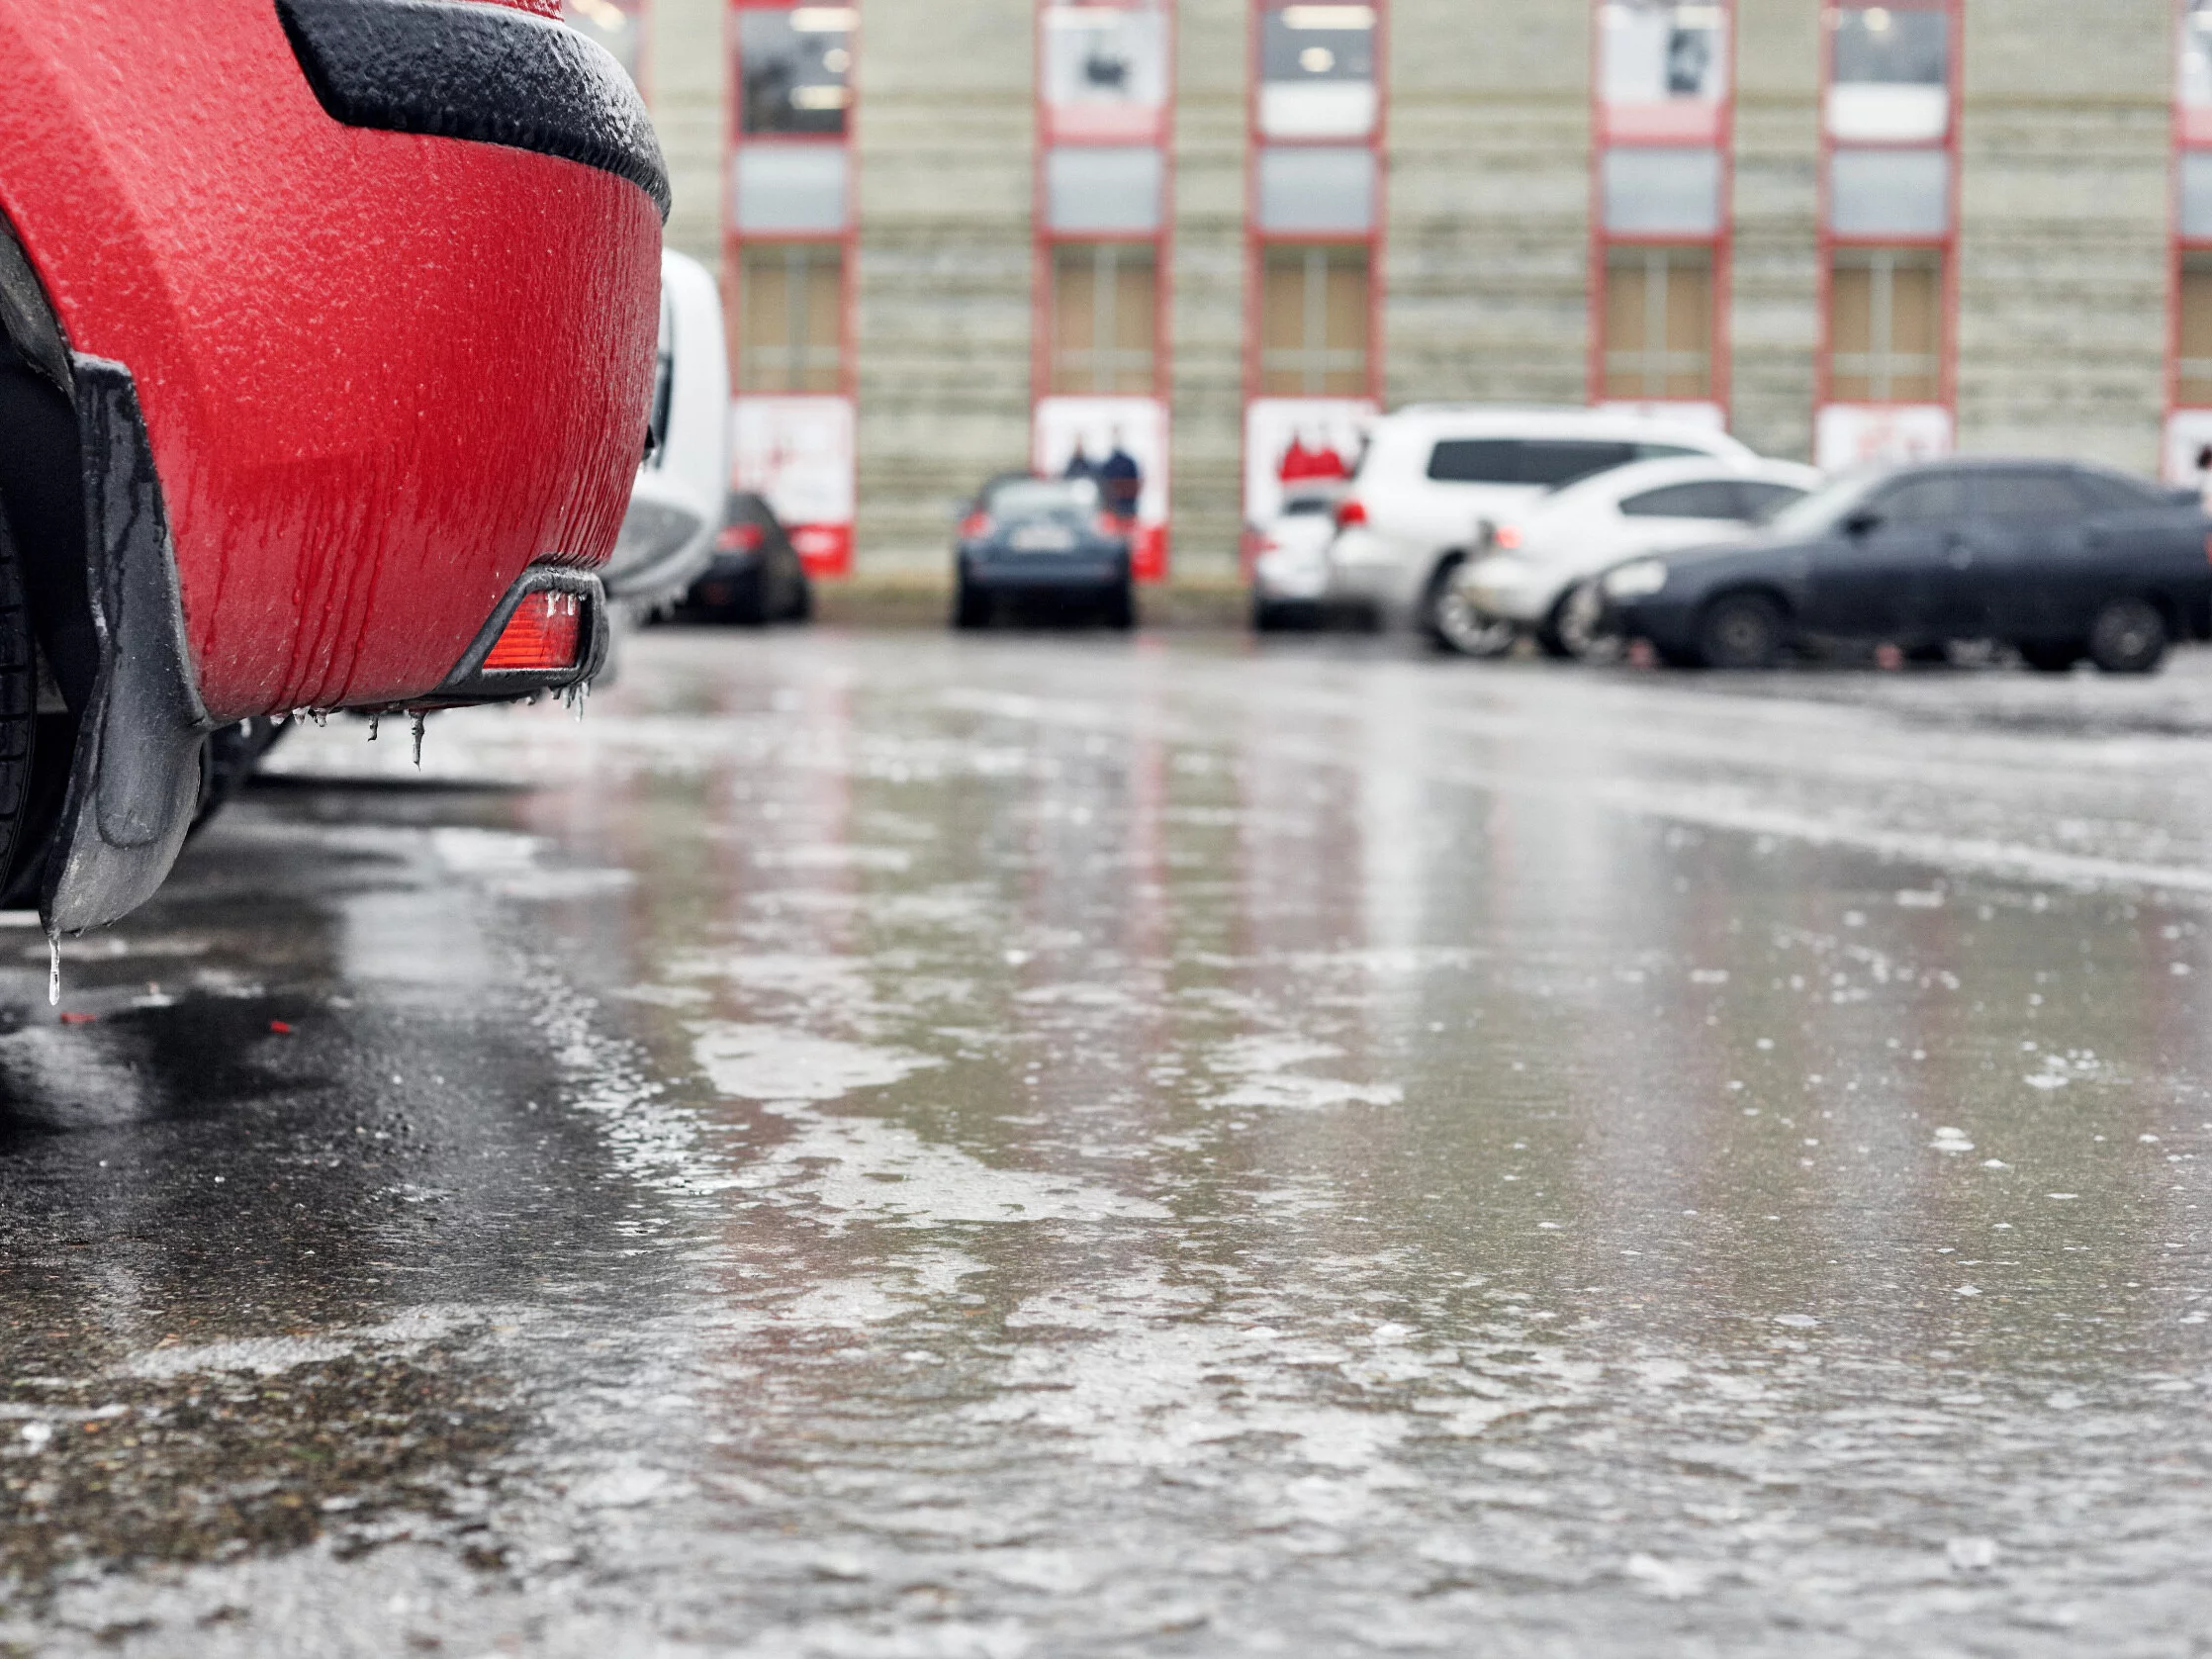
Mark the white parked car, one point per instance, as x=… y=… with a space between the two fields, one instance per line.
x=1290 y=572
x=1435 y=476
x=676 y=504
x=1540 y=566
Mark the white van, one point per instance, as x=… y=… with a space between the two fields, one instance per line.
x=1435 y=475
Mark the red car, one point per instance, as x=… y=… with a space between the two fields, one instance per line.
x=326 y=350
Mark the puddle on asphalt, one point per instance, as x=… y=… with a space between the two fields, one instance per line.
x=930 y=1149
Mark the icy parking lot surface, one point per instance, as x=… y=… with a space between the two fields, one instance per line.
x=893 y=1145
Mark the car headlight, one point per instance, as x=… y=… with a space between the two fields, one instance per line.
x=1634 y=581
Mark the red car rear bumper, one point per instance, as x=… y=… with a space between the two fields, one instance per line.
x=381 y=372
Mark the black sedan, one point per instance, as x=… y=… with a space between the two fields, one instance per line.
x=2059 y=561
x=1042 y=542
x=757 y=575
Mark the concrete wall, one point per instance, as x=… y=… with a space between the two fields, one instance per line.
x=2063 y=228
x=1774 y=311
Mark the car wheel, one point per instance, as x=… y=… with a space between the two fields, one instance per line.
x=1741 y=631
x=1453 y=623
x=971 y=607
x=2048 y=656
x=19 y=707
x=1118 y=611
x=1576 y=627
x=2127 y=637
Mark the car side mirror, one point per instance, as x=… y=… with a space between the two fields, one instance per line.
x=1863 y=522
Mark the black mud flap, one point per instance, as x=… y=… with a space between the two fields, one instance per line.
x=134 y=780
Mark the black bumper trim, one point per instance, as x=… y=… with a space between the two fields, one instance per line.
x=457 y=70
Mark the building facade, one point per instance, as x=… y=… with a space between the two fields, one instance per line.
x=964 y=235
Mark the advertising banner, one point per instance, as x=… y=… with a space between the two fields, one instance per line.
x=1848 y=435
x=1294 y=441
x=1664 y=71
x=798 y=452
x=1121 y=442
x=1105 y=73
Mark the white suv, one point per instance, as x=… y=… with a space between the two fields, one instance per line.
x=1435 y=476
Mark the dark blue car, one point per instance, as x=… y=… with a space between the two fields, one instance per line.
x=1043 y=542
x=2059 y=560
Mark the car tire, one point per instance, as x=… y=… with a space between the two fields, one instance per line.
x=971 y=607
x=2048 y=656
x=1742 y=631
x=1577 y=623
x=19 y=704
x=1269 y=617
x=1452 y=621
x=1118 y=611
x=2129 y=636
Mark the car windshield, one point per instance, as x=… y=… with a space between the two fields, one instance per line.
x=1825 y=507
x=1042 y=498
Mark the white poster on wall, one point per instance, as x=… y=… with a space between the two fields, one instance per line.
x=798 y=452
x=1851 y=434
x=1289 y=442
x=2188 y=446
x=1121 y=443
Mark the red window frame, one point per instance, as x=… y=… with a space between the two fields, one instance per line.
x=2179 y=244
x=735 y=241
x=1047 y=242
x=1946 y=245
x=1721 y=244
x=1259 y=242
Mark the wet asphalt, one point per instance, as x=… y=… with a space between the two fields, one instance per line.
x=880 y=1144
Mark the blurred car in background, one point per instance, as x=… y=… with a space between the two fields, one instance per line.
x=754 y=575
x=1435 y=476
x=1538 y=570
x=676 y=499
x=2059 y=561
x=1043 y=543
x=326 y=363
x=1290 y=558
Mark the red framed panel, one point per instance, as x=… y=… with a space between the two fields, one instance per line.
x=1337 y=424
x=1846 y=432
x=2186 y=445
x=1099 y=424
x=624 y=26
x=797 y=448
x=1681 y=122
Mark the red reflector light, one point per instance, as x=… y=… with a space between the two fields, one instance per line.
x=1507 y=536
x=543 y=633
x=740 y=538
x=975 y=526
x=1351 y=513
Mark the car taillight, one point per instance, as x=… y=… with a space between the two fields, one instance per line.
x=1507 y=536
x=975 y=526
x=543 y=633
x=1350 y=511
x=740 y=538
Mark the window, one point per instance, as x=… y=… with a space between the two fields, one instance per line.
x=1934 y=499
x=2035 y=497
x=790 y=337
x=1891 y=74
x=614 y=23
x=1314 y=322
x=798 y=67
x=1707 y=499
x=1762 y=502
x=1103 y=317
x=1886 y=324
x=1658 y=323
x=1317 y=71
x=1547 y=462
x=2195 y=367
